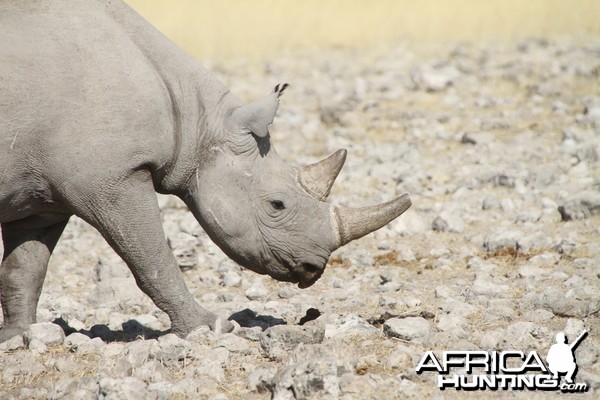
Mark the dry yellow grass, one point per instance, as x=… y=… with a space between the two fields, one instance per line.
x=261 y=28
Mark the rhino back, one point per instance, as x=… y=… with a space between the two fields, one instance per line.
x=80 y=101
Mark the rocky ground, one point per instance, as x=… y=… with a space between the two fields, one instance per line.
x=499 y=147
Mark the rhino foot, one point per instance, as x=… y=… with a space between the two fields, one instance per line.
x=221 y=325
x=214 y=322
x=7 y=333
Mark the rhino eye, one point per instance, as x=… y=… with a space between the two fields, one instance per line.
x=277 y=204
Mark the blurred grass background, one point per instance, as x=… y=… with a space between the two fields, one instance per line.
x=258 y=29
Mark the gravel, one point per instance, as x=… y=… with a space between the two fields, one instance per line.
x=498 y=147
x=278 y=340
x=407 y=328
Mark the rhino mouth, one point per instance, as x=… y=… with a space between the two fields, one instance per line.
x=304 y=272
x=306 y=284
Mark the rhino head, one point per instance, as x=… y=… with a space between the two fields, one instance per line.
x=267 y=215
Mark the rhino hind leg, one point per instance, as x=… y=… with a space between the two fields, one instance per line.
x=128 y=217
x=28 y=244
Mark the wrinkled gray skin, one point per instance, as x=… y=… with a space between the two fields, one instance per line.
x=98 y=111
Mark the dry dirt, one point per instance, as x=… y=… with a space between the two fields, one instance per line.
x=499 y=147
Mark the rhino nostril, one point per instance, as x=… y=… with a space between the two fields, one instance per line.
x=308 y=273
x=311 y=268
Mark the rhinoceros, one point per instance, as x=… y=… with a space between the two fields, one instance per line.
x=98 y=112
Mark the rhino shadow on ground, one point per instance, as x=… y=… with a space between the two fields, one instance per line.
x=132 y=330
x=248 y=318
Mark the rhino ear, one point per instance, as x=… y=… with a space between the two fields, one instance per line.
x=257 y=116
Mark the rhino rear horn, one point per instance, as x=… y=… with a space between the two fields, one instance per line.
x=354 y=223
x=317 y=179
x=257 y=116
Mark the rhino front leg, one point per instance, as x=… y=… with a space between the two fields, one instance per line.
x=27 y=249
x=129 y=219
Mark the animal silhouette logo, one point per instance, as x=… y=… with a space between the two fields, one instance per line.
x=561 y=356
x=507 y=369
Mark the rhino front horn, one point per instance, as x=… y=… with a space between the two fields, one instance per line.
x=317 y=179
x=354 y=223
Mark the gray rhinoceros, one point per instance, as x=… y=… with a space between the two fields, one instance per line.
x=98 y=111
